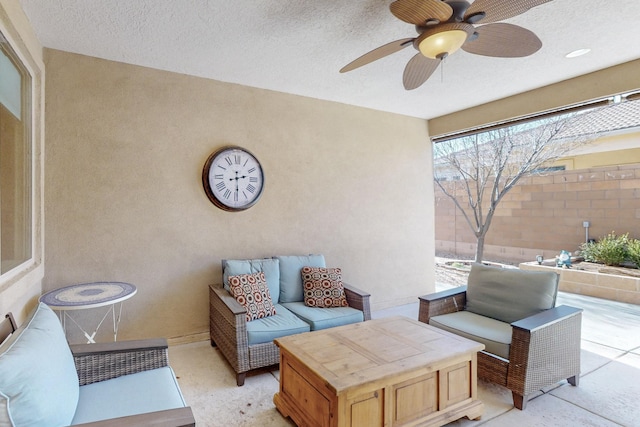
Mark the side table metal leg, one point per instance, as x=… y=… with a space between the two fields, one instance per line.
x=91 y=337
x=116 y=321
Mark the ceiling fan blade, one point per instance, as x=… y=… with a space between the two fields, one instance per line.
x=377 y=53
x=499 y=10
x=418 y=12
x=418 y=70
x=504 y=41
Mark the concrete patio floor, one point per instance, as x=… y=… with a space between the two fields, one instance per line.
x=607 y=394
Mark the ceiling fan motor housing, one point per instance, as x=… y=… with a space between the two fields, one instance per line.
x=459 y=9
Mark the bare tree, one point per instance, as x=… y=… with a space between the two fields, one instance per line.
x=478 y=170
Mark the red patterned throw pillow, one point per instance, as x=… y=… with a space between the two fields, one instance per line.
x=323 y=287
x=251 y=291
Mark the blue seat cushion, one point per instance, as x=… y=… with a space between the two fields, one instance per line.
x=139 y=393
x=270 y=267
x=323 y=318
x=291 y=276
x=38 y=379
x=281 y=324
x=494 y=334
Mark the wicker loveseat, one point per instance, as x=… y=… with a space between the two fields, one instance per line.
x=46 y=382
x=249 y=345
x=529 y=342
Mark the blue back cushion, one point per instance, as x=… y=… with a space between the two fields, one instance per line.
x=270 y=267
x=291 y=278
x=38 y=379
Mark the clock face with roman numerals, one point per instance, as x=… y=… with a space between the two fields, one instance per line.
x=233 y=179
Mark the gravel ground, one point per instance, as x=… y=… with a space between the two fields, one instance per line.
x=451 y=276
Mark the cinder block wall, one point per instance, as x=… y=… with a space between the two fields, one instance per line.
x=544 y=214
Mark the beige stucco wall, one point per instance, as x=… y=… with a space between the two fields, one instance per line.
x=19 y=289
x=124 y=199
x=619 y=149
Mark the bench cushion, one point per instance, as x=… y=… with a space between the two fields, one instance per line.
x=281 y=324
x=510 y=294
x=138 y=393
x=38 y=379
x=323 y=318
x=494 y=334
x=270 y=267
x=291 y=277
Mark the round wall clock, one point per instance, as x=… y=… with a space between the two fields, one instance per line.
x=233 y=179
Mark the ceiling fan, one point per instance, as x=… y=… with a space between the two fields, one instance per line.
x=444 y=26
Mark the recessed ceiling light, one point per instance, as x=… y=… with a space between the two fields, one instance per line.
x=577 y=53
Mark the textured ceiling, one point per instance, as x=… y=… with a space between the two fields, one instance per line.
x=298 y=46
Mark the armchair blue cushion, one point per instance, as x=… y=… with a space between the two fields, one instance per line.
x=132 y=394
x=38 y=379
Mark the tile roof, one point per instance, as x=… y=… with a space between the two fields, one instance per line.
x=607 y=119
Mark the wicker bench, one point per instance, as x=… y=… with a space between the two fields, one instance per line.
x=529 y=342
x=249 y=345
x=44 y=381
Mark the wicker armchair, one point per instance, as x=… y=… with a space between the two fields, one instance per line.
x=103 y=361
x=228 y=330
x=544 y=347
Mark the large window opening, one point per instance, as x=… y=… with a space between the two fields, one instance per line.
x=15 y=161
x=568 y=168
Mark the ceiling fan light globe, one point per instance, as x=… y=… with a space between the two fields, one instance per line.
x=440 y=43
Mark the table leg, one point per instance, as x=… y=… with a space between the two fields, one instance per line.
x=91 y=337
x=116 y=323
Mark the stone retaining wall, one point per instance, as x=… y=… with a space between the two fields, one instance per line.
x=600 y=285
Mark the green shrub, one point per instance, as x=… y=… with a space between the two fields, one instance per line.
x=633 y=251
x=609 y=250
x=589 y=251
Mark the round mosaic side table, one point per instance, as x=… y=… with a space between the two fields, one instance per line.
x=90 y=295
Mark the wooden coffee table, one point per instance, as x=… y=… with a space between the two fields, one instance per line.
x=385 y=372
